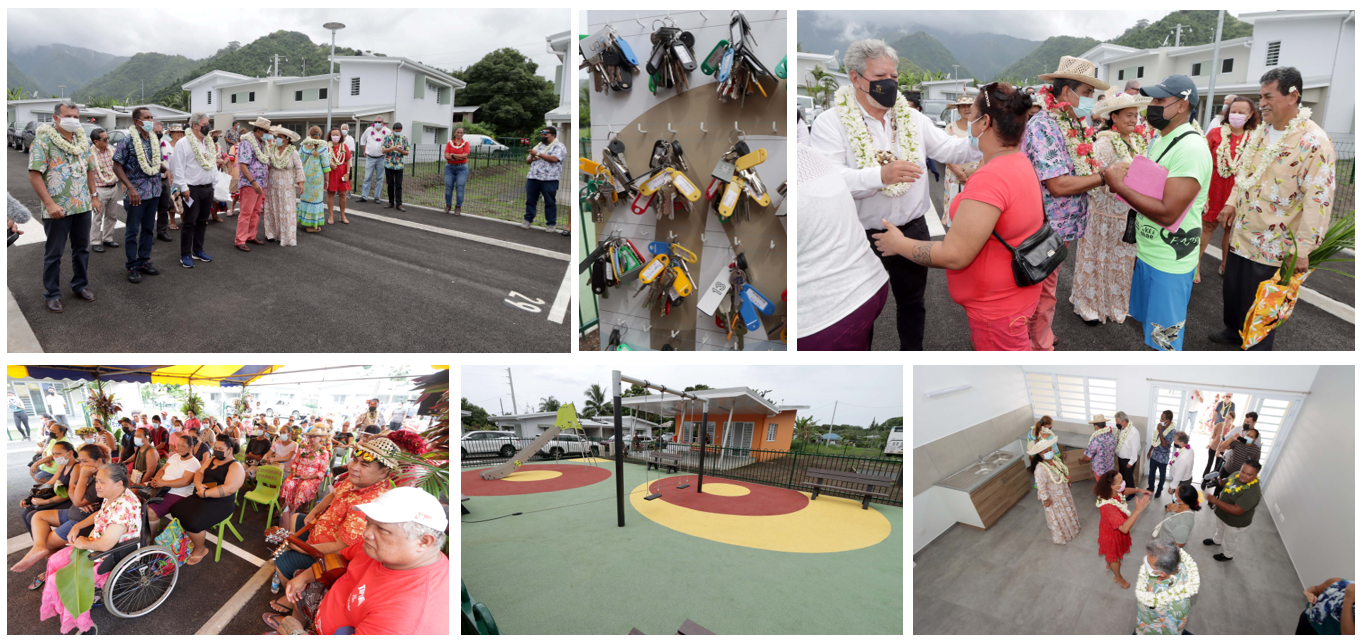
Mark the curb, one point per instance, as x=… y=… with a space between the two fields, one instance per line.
x=20 y=337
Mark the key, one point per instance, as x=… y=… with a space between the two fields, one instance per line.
x=730 y=198
x=753 y=186
x=712 y=62
x=679 y=157
x=666 y=196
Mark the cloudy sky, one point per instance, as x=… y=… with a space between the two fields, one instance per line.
x=443 y=38
x=863 y=393
x=1029 y=25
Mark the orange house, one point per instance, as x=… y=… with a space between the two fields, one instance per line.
x=739 y=421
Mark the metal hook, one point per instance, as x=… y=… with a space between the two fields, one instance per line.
x=674 y=335
x=772 y=244
x=672 y=131
x=610 y=134
x=703 y=238
x=638 y=22
x=640 y=127
x=703 y=128
x=774 y=127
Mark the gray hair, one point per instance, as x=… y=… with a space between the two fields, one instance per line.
x=415 y=530
x=56 y=111
x=1167 y=555
x=196 y=117
x=1182 y=437
x=863 y=50
x=1121 y=416
x=1132 y=84
x=116 y=473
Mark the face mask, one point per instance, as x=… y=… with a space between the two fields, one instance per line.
x=156 y=424
x=70 y=124
x=1237 y=120
x=61 y=462
x=137 y=441
x=1155 y=115
x=148 y=126
x=882 y=91
x=89 y=439
x=975 y=140
x=544 y=139
x=1245 y=427
x=1122 y=487
x=1046 y=456
x=345 y=132
x=222 y=453
x=373 y=406
x=336 y=139
x=398 y=132
x=268 y=137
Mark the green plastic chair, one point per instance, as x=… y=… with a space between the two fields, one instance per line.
x=269 y=478
x=225 y=524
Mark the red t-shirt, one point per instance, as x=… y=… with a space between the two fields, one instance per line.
x=986 y=288
x=192 y=423
x=451 y=148
x=376 y=600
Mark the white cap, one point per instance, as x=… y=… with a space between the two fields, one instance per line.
x=407 y=504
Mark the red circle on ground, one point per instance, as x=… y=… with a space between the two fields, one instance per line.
x=760 y=501
x=574 y=476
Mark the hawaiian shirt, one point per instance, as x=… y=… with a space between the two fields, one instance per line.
x=65 y=174
x=1045 y=147
x=394 y=160
x=542 y=170
x=1101 y=450
x=246 y=155
x=104 y=166
x=1304 y=184
x=148 y=186
x=124 y=510
x=342 y=521
x=1159 y=453
x=1325 y=613
x=1165 y=619
x=367 y=418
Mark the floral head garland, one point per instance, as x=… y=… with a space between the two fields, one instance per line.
x=1183 y=585
x=905 y=146
x=1079 y=139
x=1254 y=143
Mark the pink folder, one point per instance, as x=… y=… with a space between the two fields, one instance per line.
x=1145 y=177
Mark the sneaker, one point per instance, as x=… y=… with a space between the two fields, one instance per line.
x=186 y=261
x=202 y=256
x=149 y=269
x=525 y=225
x=134 y=276
x=549 y=228
x=362 y=200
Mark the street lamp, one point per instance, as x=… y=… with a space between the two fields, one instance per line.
x=333 y=26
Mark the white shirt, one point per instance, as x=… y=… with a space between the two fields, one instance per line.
x=828 y=137
x=56 y=405
x=1131 y=448
x=1273 y=135
x=373 y=140
x=349 y=142
x=176 y=467
x=185 y=165
x=1215 y=123
x=1195 y=403
x=1182 y=467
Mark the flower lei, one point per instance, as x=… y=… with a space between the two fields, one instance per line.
x=279 y=157
x=1056 y=467
x=1120 y=504
x=149 y=170
x=1132 y=146
x=1126 y=433
x=1253 y=144
x=1176 y=591
x=1231 y=489
x=905 y=146
x=201 y=153
x=79 y=144
x=336 y=160
x=256 y=152
x=1227 y=164
x=1077 y=136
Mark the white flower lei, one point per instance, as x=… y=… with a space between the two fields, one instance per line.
x=256 y=152
x=906 y=142
x=1134 y=145
x=76 y=147
x=1120 y=504
x=279 y=157
x=1172 y=593
x=138 y=151
x=1255 y=141
x=201 y=151
x=1056 y=467
x=1226 y=163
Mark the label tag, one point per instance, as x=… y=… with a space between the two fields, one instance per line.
x=681 y=284
x=592 y=46
x=685 y=187
x=757 y=299
x=715 y=292
x=653 y=269
x=656 y=182
x=731 y=197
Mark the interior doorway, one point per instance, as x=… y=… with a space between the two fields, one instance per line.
x=1276 y=412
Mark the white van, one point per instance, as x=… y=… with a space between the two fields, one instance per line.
x=484 y=143
x=895 y=444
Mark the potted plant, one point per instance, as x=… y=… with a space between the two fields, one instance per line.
x=102 y=403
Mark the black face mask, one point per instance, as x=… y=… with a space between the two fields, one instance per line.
x=544 y=139
x=883 y=91
x=1246 y=426
x=1155 y=115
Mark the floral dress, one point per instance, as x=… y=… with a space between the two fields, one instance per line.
x=316 y=159
x=295 y=492
x=281 y=200
x=1103 y=263
x=1113 y=544
x=124 y=510
x=1062 y=519
x=1170 y=618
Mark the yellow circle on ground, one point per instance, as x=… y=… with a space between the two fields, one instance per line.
x=826 y=525
x=532 y=475
x=722 y=489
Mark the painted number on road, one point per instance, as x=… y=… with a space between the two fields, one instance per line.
x=529 y=305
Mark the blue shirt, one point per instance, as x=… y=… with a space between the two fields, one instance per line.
x=148 y=186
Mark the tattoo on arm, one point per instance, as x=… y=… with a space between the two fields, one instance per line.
x=921 y=252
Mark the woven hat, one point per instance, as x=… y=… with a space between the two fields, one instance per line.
x=1072 y=68
x=1119 y=102
x=1044 y=445
x=176 y=127
x=261 y=122
x=1099 y=419
x=318 y=430
x=280 y=130
x=964 y=100
x=383 y=448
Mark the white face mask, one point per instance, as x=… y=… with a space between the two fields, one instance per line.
x=1146 y=565
x=71 y=124
x=89 y=439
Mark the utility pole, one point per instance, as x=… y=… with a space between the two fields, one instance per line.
x=1179 y=31
x=1216 y=67
x=954 y=72
x=513 y=390
x=831 y=417
x=499 y=405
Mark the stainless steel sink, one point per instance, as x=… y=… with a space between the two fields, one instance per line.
x=970 y=477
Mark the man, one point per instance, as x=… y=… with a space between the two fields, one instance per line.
x=396 y=146
x=884 y=180
x=1193 y=410
x=1129 y=446
x=1240 y=447
x=1221 y=116
x=159 y=436
x=1288 y=167
x=1132 y=88
x=1167 y=568
x=62 y=172
x=543 y=177
x=372 y=416
x=194 y=164
x=396 y=416
x=1167 y=236
x=20 y=415
x=373 y=143
x=1181 y=462
x=106 y=193
x=137 y=164
x=56 y=405
x=165 y=211
x=348 y=141
x=1234 y=507
x=1158 y=457
x=1102 y=446
x=252 y=160
x=1066 y=178
x=126 y=445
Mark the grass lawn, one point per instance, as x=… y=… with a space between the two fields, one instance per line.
x=858 y=452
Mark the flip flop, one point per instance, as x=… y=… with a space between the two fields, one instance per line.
x=270 y=619
x=37 y=582
x=195 y=561
x=276 y=607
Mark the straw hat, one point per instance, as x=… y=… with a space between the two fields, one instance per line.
x=1119 y=102
x=280 y=130
x=383 y=448
x=1072 y=68
x=319 y=430
x=176 y=127
x=261 y=122
x=1099 y=419
x=964 y=100
x=1044 y=445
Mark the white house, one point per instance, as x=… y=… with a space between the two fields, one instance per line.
x=116 y=117
x=807 y=62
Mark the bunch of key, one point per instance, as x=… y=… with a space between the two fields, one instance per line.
x=667 y=187
x=733 y=177
x=737 y=303
x=610 y=60
x=615 y=262
x=666 y=276
x=737 y=70
x=671 y=59
x=609 y=181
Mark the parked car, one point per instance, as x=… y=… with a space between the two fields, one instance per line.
x=809 y=110
x=500 y=443
x=484 y=143
x=116 y=135
x=26 y=139
x=565 y=444
x=15 y=134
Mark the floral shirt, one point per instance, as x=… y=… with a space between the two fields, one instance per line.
x=1045 y=147
x=1165 y=619
x=1159 y=453
x=65 y=174
x=1325 y=613
x=124 y=510
x=342 y=521
x=148 y=186
x=542 y=170
x=1299 y=200
x=257 y=166
x=394 y=160
x=1101 y=450
x=104 y=166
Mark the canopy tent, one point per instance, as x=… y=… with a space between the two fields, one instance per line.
x=202 y=375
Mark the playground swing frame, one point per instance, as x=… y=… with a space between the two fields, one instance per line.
x=616 y=379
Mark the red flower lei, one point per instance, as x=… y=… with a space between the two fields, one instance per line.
x=1079 y=143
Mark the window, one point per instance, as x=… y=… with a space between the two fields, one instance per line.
x=1226 y=65
x=233 y=99
x=771 y=433
x=322 y=94
x=1072 y=398
x=688 y=429
x=298 y=94
x=1141 y=71
x=433 y=90
x=251 y=97
x=209 y=95
x=44 y=118
x=1272 y=54
x=355 y=86
x=1197 y=69
x=1121 y=72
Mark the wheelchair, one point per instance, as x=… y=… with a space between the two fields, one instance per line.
x=142 y=574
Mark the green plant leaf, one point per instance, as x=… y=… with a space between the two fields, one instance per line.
x=76 y=583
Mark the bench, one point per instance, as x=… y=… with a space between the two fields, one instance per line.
x=820 y=475
x=673 y=461
x=687 y=627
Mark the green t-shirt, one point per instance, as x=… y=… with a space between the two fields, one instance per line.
x=1247 y=499
x=1177 y=253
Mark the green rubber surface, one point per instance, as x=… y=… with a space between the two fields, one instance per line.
x=573 y=571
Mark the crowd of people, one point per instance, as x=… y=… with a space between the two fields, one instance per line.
x=95 y=490
x=1027 y=167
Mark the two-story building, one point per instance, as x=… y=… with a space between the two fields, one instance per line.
x=806 y=63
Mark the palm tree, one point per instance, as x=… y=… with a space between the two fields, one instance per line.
x=821 y=85
x=596 y=403
x=805 y=427
x=548 y=404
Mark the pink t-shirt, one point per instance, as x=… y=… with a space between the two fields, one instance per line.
x=986 y=288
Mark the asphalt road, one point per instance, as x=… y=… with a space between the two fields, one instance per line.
x=371 y=286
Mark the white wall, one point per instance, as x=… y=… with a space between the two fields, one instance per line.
x=1134 y=389
x=377 y=84
x=931 y=517
x=426 y=109
x=287 y=92
x=1340 y=113
x=1306 y=43
x=995 y=390
x=244 y=92
x=1312 y=497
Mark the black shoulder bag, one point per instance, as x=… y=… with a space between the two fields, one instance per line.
x=1129 y=235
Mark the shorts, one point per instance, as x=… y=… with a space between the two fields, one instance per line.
x=1160 y=301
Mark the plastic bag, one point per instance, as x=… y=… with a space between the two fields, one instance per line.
x=174 y=538
x=1273 y=305
x=221 y=190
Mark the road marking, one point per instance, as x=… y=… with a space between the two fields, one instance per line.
x=227 y=612
x=245 y=555
x=559 y=308
x=1337 y=308
x=20 y=543
x=501 y=243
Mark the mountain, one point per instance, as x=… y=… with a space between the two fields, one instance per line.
x=1199 y=29
x=987 y=53
x=127 y=80
x=17 y=79
x=929 y=54
x=54 y=65
x=1044 y=58
x=255 y=59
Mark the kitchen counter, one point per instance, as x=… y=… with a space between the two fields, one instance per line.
x=980 y=493
x=969 y=480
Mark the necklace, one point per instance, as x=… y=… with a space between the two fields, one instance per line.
x=1057 y=468
x=1120 y=504
x=1237 y=488
x=1253 y=147
x=904 y=143
x=1227 y=161
x=1181 y=586
x=201 y=153
x=279 y=157
x=337 y=159
x=1076 y=134
x=256 y=152
x=76 y=147
x=140 y=151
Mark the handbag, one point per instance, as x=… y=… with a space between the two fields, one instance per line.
x=174 y=538
x=1129 y=233
x=1036 y=257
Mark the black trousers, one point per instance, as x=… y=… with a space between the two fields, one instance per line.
x=394 y=179
x=1128 y=468
x=163 y=208
x=21 y=419
x=1151 y=476
x=196 y=219
x=75 y=227
x=1238 y=294
x=907 y=283
x=1304 y=625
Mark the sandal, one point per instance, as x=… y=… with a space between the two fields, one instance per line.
x=195 y=561
x=272 y=621
x=276 y=607
x=38 y=582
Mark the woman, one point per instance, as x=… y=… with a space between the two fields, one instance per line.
x=338 y=178
x=316 y=157
x=215 y=496
x=119 y=520
x=1224 y=417
x=283 y=188
x=1225 y=144
x=1103 y=263
x=1330 y=608
x=43 y=469
x=1004 y=197
x=1041 y=431
x=456 y=169
x=256 y=449
x=50 y=528
x=342 y=441
x=1116 y=520
x=229 y=156
x=1053 y=489
x=843 y=286
x=305 y=477
x=957 y=174
x=145 y=458
x=1179 y=516
x=64 y=458
x=177 y=476
x=103 y=436
x=283 y=451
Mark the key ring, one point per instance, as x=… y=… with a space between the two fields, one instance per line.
x=730 y=136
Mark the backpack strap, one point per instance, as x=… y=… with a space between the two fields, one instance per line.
x=1172 y=145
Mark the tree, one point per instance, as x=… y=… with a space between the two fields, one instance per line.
x=596 y=403
x=478 y=417
x=510 y=96
x=698 y=387
x=821 y=86
x=806 y=428
x=548 y=404
x=234 y=45
x=800 y=46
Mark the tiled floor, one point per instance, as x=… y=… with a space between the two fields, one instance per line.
x=1011 y=578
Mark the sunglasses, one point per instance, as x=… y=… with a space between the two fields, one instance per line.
x=365 y=456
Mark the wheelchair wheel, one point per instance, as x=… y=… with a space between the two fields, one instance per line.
x=141 y=582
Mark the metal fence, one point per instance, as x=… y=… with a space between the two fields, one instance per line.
x=496 y=185
x=1344 y=145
